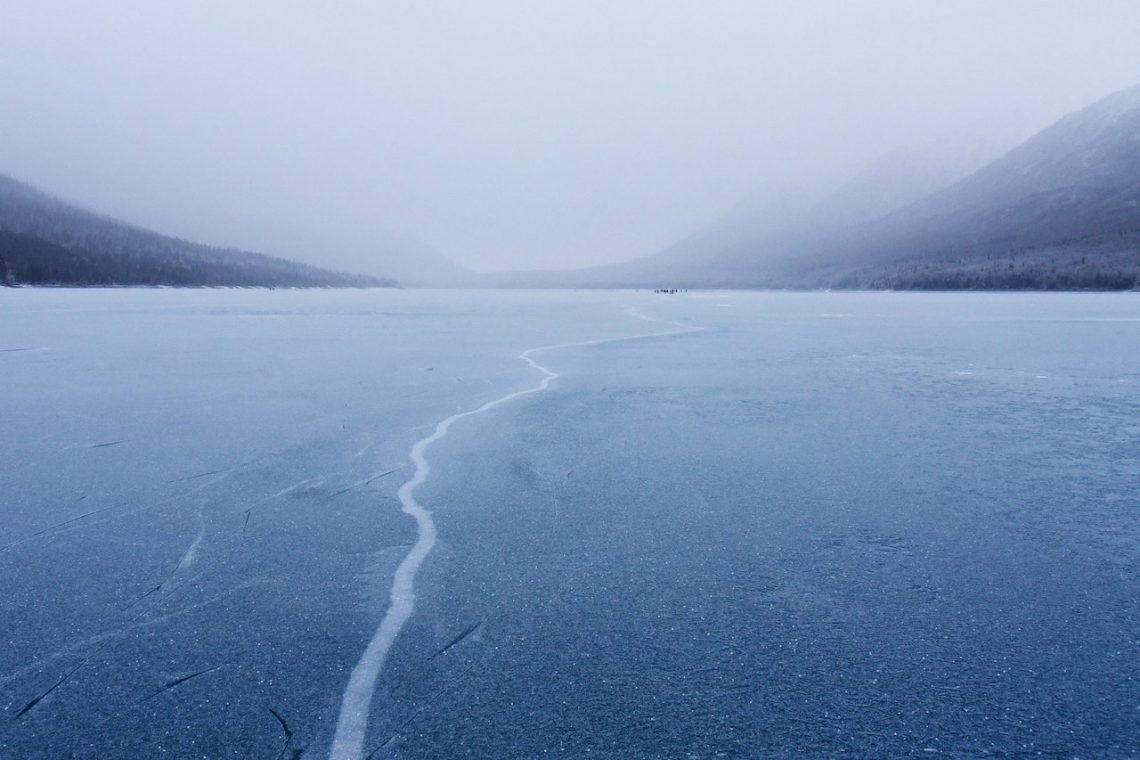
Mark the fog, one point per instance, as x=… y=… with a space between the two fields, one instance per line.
x=514 y=134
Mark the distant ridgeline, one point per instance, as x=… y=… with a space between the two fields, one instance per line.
x=1060 y=211
x=44 y=241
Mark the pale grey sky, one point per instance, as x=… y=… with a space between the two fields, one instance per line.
x=514 y=134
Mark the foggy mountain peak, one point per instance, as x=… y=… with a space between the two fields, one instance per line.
x=1062 y=209
x=511 y=136
x=904 y=175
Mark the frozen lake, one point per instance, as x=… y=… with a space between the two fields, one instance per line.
x=874 y=524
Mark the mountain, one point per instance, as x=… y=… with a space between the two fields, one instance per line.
x=44 y=240
x=723 y=253
x=903 y=176
x=1060 y=210
x=760 y=215
x=370 y=251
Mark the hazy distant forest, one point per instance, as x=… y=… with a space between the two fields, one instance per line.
x=1073 y=268
x=44 y=241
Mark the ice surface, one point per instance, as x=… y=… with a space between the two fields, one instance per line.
x=869 y=523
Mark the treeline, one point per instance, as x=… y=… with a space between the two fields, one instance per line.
x=44 y=241
x=1101 y=264
x=27 y=260
x=1019 y=281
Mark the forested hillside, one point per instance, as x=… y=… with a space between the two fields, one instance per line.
x=45 y=241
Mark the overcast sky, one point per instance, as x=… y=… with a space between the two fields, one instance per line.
x=514 y=134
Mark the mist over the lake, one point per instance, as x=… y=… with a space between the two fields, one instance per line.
x=514 y=135
x=512 y=379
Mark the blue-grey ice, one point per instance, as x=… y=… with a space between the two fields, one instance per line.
x=383 y=523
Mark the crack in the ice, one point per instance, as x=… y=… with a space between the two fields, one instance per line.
x=352 y=722
x=283 y=492
x=366 y=482
x=181 y=680
x=51 y=528
x=431 y=700
x=199 y=475
x=132 y=624
x=144 y=595
x=297 y=751
x=466 y=632
x=26 y=708
x=161 y=505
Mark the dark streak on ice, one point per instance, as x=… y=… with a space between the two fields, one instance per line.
x=399 y=730
x=284 y=727
x=145 y=595
x=298 y=751
x=65 y=522
x=105 y=445
x=466 y=632
x=55 y=686
x=377 y=477
x=424 y=706
x=49 y=529
x=195 y=477
x=12 y=350
x=181 y=680
x=365 y=483
x=94 y=653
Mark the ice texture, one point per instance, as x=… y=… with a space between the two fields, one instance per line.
x=874 y=524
